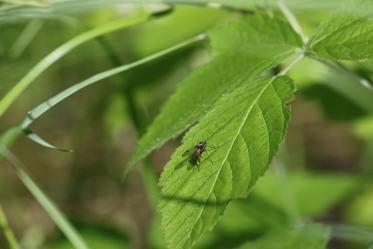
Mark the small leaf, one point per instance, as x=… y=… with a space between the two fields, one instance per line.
x=309 y=236
x=344 y=38
x=240 y=54
x=243 y=133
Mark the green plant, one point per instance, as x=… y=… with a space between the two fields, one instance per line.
x=238 y=101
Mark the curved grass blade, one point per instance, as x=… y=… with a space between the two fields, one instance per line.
x=44 y=107
x=37 y=139
x=245 y=130
x=54 y=213
x=65 y=48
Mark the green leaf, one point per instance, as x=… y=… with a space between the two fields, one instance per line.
x=239 y=55
x=309 y=236
x=243 y=133
x=172 y=29
x=257 y=35
x=344 y=37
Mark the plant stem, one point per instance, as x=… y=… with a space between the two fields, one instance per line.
x=25 y=38
x=292 y=20
x=8 y=234
x=126 y=90
x=56 y=215
x=339 y=67
x=297 y=59
x=148 y=174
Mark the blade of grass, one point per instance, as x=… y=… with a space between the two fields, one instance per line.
x=62 y=50
x=25 y=38
x=34 y=137
x=11 y=135
x=8 y=234
x=53 y=211
x=42 y=108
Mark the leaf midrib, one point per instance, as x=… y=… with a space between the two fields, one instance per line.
x=228 y=152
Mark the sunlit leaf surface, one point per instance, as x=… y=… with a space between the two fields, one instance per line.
x=243 y=133
x=344 y=37
x=243 y=49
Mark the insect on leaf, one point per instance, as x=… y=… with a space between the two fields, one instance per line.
x=243 y=133
x=243 y=48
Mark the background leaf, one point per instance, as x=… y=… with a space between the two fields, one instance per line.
x=257 y=35
x=308 y=190
x=344 y=38
x=204 y=87
x=245 y=128
x=309 y=236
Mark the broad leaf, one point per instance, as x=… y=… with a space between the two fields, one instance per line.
x=309 y=236
x=243 y=133
x=345 y=38
x=240 y=54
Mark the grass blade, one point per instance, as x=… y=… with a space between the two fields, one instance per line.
x=11 y=134
x=37 y=139
x=8 y=234
x=52 y=210
x=25 y=38
x=42 y=108
x=65 y=48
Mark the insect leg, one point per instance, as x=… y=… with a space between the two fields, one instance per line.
x=208 y=157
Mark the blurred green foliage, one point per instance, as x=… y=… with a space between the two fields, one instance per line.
x=320 y=189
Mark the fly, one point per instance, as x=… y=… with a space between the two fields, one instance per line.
x=195 y=154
